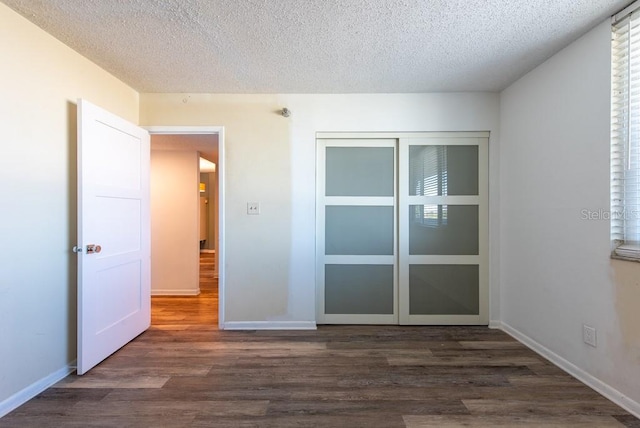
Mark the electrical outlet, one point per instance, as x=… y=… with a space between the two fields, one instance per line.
x=253 y=208
x=589 y=335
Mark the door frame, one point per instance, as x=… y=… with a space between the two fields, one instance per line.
x=220 y=247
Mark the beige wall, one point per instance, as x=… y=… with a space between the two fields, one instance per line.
x=40 y=81
x=259 y=160
x=175 y=207
x=270 y=258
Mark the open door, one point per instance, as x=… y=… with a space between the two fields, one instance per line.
x=114 y=298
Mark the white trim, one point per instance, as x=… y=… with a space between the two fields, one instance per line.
x=365 y=319
x=359 y=141
x=359 y=260
x=195 y=292
x=220 y=262
x=483 y=218
x=26 y=394
x=377 y=201
x=221 y=256
x=495 y=324
x=269 y=325
x=403 y=232
x=443 y=260
x=596 y=384
x=184 y=130
x=320 y=225
x=455 y=319
x=398 y=135
x=442 y=200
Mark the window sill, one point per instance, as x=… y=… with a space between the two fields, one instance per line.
x=627 y=252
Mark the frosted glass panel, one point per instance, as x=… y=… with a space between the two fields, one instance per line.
x=358 y=230
x=444 y=290
x=443 y=229
x=359 y=171
x=443 y=170
x=358 y=289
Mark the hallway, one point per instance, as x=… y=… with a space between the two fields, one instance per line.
x=169 y=312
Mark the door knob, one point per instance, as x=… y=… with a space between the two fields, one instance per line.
x=92 y=248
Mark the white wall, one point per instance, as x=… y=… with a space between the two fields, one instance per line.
x=270 y=258
x=556 y=273
x=175 y=206
x=40 y=81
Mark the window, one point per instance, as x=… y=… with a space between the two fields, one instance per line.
x=625 y=134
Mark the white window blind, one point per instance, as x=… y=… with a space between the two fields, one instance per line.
x=625 y=136
x=428 y=176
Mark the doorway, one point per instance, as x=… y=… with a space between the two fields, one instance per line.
x=178 y=270
x=402 y=227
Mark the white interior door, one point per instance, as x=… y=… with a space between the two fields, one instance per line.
x=114 y=303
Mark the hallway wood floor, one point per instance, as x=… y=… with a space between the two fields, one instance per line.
x=184 y=372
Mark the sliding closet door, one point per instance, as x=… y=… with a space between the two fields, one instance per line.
x=356 y=231
x=402 y=228
x=443 y=229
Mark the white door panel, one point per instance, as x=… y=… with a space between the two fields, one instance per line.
x=114 y=304
x=443 y=210
x=356 y=245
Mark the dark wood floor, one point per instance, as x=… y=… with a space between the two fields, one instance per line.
x=184 y=372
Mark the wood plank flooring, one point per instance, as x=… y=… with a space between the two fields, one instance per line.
x=184 y=372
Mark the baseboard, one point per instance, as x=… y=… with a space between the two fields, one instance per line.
x=175 y=292
x=269 y=325
x=594 y=383
x=495 y=324
x=21 y=397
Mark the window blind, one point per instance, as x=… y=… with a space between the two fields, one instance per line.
x=625 y=136
x=428 y=177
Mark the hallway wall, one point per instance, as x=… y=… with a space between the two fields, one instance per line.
x=175 y=206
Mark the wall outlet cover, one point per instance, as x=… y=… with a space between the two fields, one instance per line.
x=253 y=208
x=589 y=335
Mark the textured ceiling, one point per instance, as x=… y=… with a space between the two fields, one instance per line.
x=317 y=46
